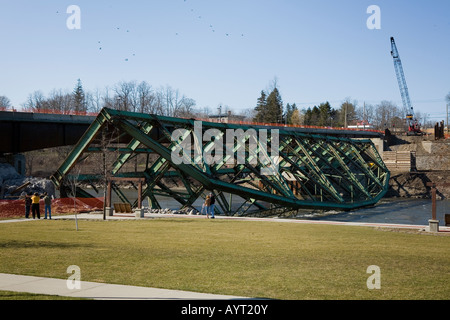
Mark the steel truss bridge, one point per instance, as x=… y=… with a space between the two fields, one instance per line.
x=283 y=169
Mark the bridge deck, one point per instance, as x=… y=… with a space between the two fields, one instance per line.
x=53 y=130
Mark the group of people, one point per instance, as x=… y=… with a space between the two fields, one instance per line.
x=32 y=205
x=208 y=205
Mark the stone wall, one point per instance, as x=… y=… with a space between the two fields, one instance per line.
x=430 y=155
x=433 y=155
x=413 y=184
x=430 y=163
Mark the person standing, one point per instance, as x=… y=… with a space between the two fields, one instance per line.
x=35 y=206
x=212 y=202
x=203 y=208
x=27 y=205
x=207 y=204
x=47 y=206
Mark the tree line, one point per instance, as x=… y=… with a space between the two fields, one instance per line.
x=270 y=109
x=127 y=96
x=142 y=97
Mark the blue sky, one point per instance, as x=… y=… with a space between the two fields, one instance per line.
x=226 y=51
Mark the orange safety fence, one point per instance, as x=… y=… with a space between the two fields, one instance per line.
x=49 y=111
x=247 y=123
x=252 y=123
x=16 y=208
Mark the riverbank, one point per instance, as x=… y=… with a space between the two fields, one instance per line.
x=414 y=184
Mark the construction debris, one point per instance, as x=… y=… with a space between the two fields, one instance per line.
x=14 y=185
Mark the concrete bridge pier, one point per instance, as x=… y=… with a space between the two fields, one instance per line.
x=18 y=161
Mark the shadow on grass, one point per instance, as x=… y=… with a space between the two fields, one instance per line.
x=40 y=244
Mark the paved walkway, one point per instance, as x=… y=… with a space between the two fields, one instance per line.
x=101 y=291
x=124 y=216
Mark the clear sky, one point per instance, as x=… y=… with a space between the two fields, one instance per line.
x=226 y=51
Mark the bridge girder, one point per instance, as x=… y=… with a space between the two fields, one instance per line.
x=266 y=167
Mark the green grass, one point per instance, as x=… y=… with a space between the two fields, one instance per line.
x=10 y=295
x=254 y=259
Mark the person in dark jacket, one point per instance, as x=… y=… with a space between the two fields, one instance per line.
x=211 y=204
x=27 y=205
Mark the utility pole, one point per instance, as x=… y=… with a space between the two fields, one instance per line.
x=364 y=116
x=447 y=117
x=345 y=120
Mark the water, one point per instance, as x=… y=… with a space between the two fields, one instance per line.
x=389 y=210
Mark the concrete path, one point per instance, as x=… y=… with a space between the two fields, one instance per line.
x=98 y=291
x=124 y=216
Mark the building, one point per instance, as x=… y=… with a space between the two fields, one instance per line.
x=226 y=117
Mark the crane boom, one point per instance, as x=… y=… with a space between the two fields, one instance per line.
x=401 y=79
x=413 y=125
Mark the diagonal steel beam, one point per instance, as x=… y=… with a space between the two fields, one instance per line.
x=80 y=147
x=315 y=170
x=132 y=146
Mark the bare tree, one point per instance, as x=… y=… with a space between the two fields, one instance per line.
x=169 y=102
x=385 y=113
x=73 y=182
x=5 y=103
x=185 y=108
x=146 y=99
x=366 y=113
x=35 y=102
x=109 y=101
x=59 y=101
x=108 y=140
x=125 y=94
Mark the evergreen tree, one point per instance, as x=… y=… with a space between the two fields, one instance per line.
x=324 y=114
x=274 y=107
x=261 y=107
x=79 y=98
x=308 y=116
x=290 y=110
x=314 y=116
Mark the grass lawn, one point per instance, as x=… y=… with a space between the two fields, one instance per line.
x=9 y=295
x=253 y=259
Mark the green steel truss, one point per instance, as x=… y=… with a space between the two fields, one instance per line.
x=312 y=171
